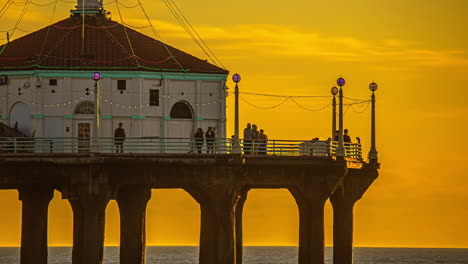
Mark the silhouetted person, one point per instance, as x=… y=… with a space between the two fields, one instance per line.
x=255 y=137
x=337 y=136
x=210 y=139
x=247 y=139
x=346 y=137
x=119 y=138
x=263 y=142
x=198 y=140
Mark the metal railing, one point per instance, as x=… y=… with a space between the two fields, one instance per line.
x=174 y=145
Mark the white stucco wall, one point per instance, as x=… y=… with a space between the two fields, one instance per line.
x=147 y=121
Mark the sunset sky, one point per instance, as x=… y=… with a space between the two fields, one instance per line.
x=415 y=50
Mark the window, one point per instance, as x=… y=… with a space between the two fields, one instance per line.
x=85 y=108
x=154 y=97
x=52 y=82
x=121 y=85
x=181 y=110
x=3 y=80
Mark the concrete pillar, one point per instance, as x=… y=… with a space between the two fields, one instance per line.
x=348 y=193
x=311 y=192
x=35 y=201
x=311 y=230
x=89 y=210
x=132 y=201
x=239 y=209
x=218 y=223
x=342 y=228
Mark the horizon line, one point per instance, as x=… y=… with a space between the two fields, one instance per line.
x=328 y=246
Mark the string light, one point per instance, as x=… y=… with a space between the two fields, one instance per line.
x=270 y=107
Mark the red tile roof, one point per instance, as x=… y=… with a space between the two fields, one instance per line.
x=106 y=47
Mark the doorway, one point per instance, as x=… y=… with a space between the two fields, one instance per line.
x=84 y=134
x=180 y=128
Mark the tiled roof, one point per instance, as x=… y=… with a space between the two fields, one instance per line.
x=105 y=46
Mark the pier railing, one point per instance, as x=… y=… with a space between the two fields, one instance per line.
x=174 y=145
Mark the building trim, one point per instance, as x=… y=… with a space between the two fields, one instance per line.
x=39 y=116
x=106 y=117
x=68 y=116
x=142 y=117
x=4 y=117
x=117 y=74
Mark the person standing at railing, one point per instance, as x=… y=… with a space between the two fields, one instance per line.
x=199 y=140
x=247 y=139
x=347 y=142
x=346 y=137
x=210 y=140
x=119 y=138
x=255 y=139
x=263 y=142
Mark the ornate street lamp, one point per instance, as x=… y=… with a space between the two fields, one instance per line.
x=236 y=148
x=340 y=151
x=97 y=117
x=373 y=157
x=334 y=92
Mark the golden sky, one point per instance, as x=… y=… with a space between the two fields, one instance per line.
x=417 y=51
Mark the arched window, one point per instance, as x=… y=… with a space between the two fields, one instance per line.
x=182 y=110
x=85 y=108
x=19 y=113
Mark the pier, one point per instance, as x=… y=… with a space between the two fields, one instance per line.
x=88 y=75
x=218 y=182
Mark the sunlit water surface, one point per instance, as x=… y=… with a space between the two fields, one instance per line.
x=263 y=255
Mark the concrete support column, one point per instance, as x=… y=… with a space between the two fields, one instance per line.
x=310 y=192
x=217 y=234
x=311 y=231
x=218 y=222
x=132 y=201
x=239 y=209
x=88 y=225
x=343 y=200
x=342 y=228
x=35 y=201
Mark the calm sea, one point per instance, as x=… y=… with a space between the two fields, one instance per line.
x=263 y=255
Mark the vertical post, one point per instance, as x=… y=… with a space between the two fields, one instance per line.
x=333 y=118
x=97 y=109
x=236 y=120
x=373 y=155
x=36 y=201
x=236 y=148
x=97 y=112
x=340 y=151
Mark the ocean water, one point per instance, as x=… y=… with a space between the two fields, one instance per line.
x=263 y=255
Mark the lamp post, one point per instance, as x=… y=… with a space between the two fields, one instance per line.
x=97 y=117
x=340 y=151
x=373 y=157
x=236 y=148
x=334 y=92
